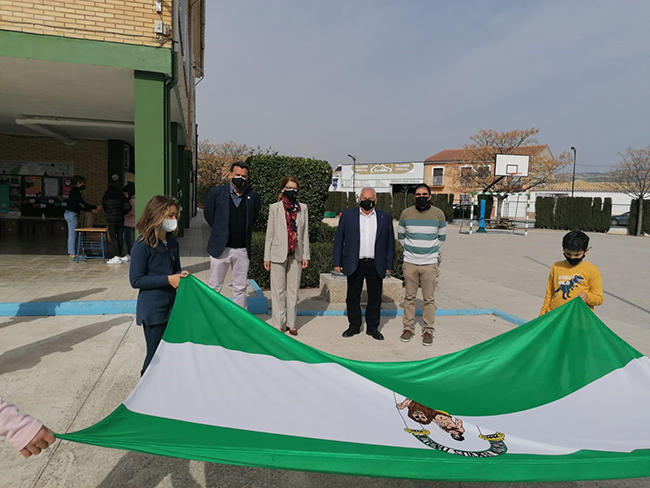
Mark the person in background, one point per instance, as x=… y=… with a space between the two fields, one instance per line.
x=156 y=269
x=74 y=206
x=286 y=253
x=27 y=434
x=116 y=206
x=129 y=219
x=231 y=211
x=364 y=249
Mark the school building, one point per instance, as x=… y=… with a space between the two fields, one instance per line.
x=100 y=88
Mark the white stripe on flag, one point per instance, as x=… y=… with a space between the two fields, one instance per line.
x=216 y=386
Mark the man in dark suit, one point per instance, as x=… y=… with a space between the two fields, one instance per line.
x=231 y=211
x=364 y=249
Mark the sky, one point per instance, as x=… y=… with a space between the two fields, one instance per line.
x=401 y=80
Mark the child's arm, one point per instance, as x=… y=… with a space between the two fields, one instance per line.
x=26 y=433
x=595 y=293
x=138 y=271
x=550 y=288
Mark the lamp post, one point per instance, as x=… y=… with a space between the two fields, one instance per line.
x=354 y=173
x=573 y=178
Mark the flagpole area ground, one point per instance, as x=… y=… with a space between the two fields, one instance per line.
x=73 y=370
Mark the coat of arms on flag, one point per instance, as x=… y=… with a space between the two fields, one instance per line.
x=528 y=405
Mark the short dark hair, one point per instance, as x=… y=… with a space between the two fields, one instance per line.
x=422 y=185
x=575 y=241
x=76 y=179
x=240 y=164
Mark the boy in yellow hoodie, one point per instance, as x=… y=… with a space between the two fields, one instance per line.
x=573 y=277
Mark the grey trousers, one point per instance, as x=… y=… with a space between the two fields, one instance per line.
x=285 y=283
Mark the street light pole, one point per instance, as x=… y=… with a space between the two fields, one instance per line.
x=573 y=178
x=354 y=173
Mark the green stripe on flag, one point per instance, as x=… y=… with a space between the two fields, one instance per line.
x=124 y=429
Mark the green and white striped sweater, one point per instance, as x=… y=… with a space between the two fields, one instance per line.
x=421 y=234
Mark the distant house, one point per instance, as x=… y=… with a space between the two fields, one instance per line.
x=445 y=171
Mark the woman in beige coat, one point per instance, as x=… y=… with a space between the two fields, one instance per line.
x=286 y=253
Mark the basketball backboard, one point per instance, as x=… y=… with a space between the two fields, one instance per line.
x=511 y=165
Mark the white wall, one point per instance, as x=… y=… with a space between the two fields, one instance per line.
x=515 y=207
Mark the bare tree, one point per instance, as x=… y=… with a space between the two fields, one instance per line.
x=481 y=153
x=214 y=160
x=632 y=176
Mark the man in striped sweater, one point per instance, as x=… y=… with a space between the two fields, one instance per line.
x=422 y=230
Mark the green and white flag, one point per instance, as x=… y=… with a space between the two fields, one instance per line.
x=559 y=398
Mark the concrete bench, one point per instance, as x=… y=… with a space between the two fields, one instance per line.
x=334 y=288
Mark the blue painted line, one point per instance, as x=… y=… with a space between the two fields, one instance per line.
x=257 y=305
x=440 y=312
x=105 y=307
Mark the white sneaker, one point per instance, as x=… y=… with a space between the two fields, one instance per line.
x=115 y=260
x=125 y=259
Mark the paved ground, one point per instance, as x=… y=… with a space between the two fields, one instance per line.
x=73 y=371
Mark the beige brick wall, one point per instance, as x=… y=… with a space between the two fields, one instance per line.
x=90 y=159
x=124 y=21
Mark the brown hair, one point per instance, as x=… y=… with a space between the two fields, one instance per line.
x=152 y=218
x=284 y=182
x=429 y=413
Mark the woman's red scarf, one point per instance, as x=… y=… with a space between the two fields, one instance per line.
x=291 y=212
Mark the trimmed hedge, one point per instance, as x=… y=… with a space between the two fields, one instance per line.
x=573 y=213
x=634 y=216
x=445 y=202
x=385 y=202
x=315 y=177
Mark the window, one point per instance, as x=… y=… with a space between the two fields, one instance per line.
x=438 y=177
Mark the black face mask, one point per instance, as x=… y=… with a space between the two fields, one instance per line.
x=367 y=204
x=573 y=261
x=239 y=182
x=422 y=203
x=290 y=194
x=82 y=187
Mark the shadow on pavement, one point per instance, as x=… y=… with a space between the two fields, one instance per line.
x=47 y=305
x=198 y=267
x=137 y=469
x=29 y=355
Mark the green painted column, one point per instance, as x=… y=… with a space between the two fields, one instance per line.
x=151 y=124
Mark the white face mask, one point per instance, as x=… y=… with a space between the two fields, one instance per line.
x=169 y=225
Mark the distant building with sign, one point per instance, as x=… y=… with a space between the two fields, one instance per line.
x=383 y=177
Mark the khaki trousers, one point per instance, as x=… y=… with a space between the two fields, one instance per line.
x=285 y=283
x=414 y=277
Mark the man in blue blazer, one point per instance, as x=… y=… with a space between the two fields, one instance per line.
x=231 y=211
x=364 y=249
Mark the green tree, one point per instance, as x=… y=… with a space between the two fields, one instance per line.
x=632 y=176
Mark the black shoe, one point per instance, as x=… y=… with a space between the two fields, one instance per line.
x=351 y=332
x=375 y=334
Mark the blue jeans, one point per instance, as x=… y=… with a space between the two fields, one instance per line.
x=128 y=238
x=73 y=220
